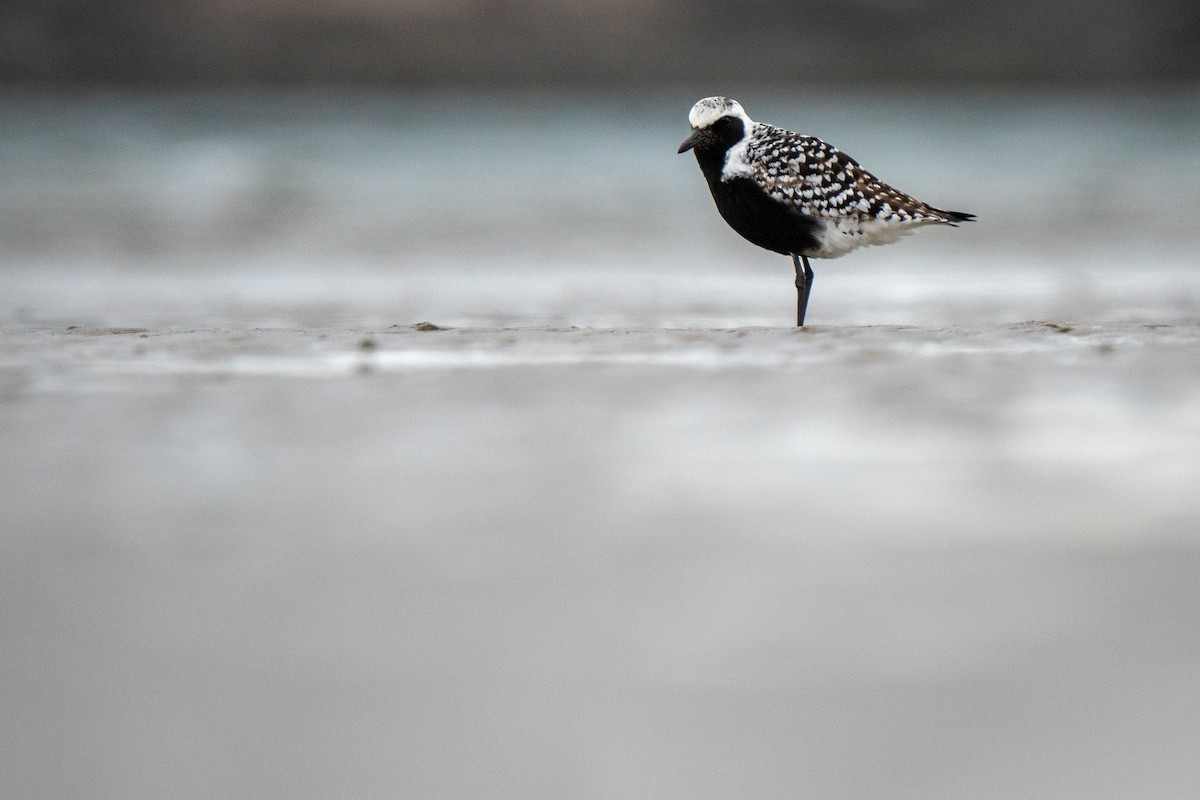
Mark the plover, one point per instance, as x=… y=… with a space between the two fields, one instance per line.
x=795 y=194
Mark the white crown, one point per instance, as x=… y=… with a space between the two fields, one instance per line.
x=711 y=109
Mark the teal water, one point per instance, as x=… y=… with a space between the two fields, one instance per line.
x=508 y=208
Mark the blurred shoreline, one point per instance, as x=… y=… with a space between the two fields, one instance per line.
x=614 y=42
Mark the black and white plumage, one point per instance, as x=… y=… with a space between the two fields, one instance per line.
x=795 y=194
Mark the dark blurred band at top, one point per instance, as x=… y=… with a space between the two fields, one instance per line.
x=604 y=42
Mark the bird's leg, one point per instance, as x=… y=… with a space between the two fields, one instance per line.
x=804 y=280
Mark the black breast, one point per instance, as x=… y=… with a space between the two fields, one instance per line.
x=748 y=209
x=762 y=220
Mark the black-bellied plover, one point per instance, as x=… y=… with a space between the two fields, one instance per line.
x=795 y=194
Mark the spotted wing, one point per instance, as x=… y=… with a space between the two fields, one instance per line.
x=818 y=179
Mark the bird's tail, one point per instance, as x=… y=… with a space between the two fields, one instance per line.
x=955 y=217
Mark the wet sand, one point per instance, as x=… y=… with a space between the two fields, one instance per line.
x=876 y=561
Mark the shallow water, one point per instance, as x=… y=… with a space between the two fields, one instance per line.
x=608 y=527
x=517 y=209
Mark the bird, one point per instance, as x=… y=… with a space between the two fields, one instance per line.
x=796 y=195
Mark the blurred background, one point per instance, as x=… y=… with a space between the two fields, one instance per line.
x=620 y=533
x=483 y=162
x=630 y=43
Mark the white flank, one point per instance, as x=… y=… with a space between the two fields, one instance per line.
x=842 y=235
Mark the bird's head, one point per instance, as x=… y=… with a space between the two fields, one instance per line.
x=717 y=122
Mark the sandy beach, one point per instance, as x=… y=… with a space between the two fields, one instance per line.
x=1038 y=429
x=843 y=561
